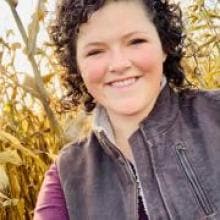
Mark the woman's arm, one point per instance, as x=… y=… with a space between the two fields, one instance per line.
x=51 y=203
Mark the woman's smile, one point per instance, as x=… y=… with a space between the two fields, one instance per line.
x=123 y=83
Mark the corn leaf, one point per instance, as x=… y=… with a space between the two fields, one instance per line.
x=10 y=156
x=4 y=181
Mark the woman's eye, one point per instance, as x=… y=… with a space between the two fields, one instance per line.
x=94 y=52
x=137 y=41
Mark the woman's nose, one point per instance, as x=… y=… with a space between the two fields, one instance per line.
x=119 y=62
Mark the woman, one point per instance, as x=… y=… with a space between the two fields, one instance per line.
x=153 y=152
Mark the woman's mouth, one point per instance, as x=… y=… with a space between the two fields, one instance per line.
x=124 y=83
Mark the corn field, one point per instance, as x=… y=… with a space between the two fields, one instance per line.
x=34 y=123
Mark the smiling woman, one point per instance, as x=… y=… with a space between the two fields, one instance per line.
x=153 y=152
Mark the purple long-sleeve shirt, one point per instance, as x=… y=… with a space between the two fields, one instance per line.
x=51 y=203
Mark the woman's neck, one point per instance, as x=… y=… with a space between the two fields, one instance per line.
x=125 y=125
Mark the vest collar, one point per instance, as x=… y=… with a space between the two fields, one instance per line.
x=101 y=124
x=162 y=117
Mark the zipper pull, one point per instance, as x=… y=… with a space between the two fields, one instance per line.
x=180 y=147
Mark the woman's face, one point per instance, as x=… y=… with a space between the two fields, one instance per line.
x=120 y=57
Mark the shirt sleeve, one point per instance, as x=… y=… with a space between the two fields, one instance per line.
x=51 y=204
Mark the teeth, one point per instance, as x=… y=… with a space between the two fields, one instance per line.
x=123 y=83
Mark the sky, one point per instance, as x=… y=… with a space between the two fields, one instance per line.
x=25 y=9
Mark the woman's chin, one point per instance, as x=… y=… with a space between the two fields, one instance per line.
x=126 y=110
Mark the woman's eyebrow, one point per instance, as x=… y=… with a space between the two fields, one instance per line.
x=130 y=34
x=94 y=43
x=125 y=36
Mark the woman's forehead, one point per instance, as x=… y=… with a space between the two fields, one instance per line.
x=103 y=25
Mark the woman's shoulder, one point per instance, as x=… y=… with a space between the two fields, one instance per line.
x=72 y=148
x=200 y=102
x=211 y=94
x=71 y=157
x=198 y=96
x=78 y=151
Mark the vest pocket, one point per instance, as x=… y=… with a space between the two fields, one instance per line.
x=193 y=180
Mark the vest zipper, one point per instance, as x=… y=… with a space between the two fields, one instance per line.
x=193 y=179
x=104 y=139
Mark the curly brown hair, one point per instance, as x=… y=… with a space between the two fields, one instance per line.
x=70 y=14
